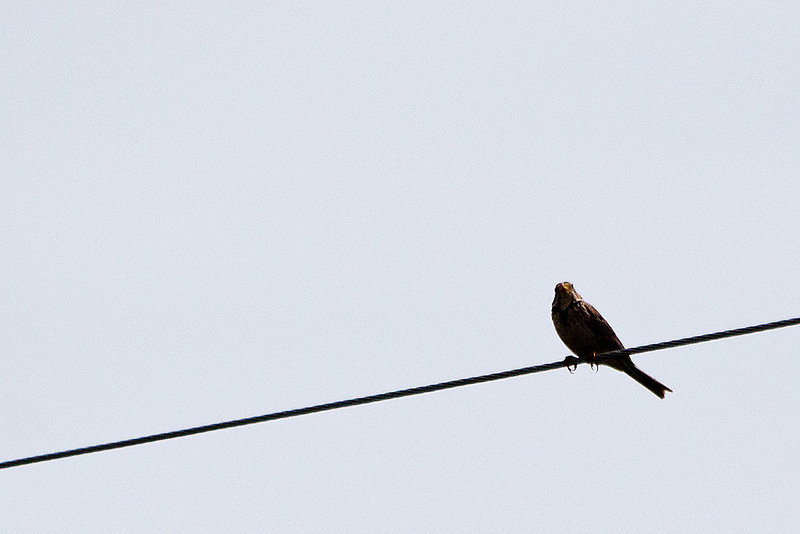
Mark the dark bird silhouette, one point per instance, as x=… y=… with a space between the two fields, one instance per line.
x=584 y=331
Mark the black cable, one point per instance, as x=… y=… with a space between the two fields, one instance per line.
x=699 y=339
x=567 y=362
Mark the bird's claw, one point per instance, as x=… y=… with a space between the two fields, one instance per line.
x=572 y=363
x=593 y=362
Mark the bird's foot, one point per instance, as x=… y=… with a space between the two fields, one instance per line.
x=593 y=362
x=572 y=363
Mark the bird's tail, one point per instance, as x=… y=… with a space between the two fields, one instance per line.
x=643 y=378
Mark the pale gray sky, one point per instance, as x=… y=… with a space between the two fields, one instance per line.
x=210 y=212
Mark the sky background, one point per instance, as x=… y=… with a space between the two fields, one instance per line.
x=213 y=211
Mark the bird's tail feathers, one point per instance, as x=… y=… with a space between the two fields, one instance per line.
x=644 y=379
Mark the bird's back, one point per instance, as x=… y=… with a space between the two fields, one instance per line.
x=584 y=331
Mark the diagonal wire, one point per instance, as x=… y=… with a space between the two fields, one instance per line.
x=700 y=339
x=567 y=362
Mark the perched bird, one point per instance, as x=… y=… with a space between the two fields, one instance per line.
x=584 y=331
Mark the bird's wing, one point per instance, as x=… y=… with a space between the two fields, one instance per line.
x=601 y=331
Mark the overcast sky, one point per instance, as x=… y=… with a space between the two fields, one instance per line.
x=210 y=212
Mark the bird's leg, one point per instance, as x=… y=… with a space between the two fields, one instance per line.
x=572 y=363
x=593 y=362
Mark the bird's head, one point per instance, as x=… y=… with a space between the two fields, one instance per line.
x=565 y=295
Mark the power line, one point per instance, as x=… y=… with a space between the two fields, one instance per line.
x=567 y=362
x=700 y=339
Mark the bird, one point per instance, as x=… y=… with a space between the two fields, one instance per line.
x=584 y=331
